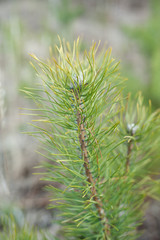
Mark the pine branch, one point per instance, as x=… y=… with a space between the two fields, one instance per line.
x=82 y=126
x=82 y=135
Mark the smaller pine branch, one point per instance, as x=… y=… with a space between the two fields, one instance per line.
x=129 y=150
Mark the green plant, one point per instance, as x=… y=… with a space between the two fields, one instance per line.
x=99 y=146
x=11 y=230
x=13 y=226
x=18 y=234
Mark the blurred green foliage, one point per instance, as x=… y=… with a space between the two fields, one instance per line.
x=11 y=230
x=148 y=38
x=13 y=52
x=66 y=11
x=13 y=226
x=18 y=41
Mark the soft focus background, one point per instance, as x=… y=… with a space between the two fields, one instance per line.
x=130 y=27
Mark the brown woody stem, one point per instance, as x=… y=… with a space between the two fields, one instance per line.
x=98 y=202
x=129 y=149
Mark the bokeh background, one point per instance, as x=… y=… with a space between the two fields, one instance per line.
x=130 y=27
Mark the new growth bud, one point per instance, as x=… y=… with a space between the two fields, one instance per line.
x=78 y=80
x=132 y=128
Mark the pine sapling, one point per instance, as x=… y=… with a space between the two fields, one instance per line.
x=100 y=146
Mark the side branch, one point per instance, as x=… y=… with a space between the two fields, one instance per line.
x=98 y=202
x=129 y=149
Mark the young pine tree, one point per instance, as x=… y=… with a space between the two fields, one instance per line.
x=99 y=146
